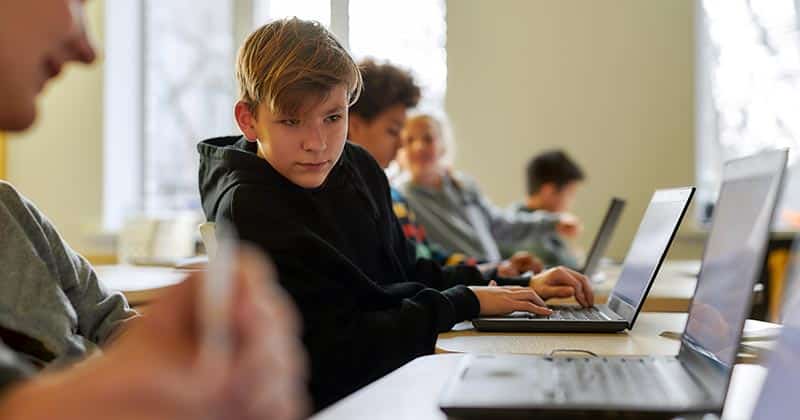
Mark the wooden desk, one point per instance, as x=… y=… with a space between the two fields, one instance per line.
x=644 y=339
x=411 y=392
x=671 y=292
x=140 y=285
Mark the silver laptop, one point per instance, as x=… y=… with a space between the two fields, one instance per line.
x=603 y=238
x=647 y=252
x=776 y=400
x=694 y=381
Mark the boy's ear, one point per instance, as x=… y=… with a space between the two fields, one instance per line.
x=548 y=189
x=355 y=124
x=246 y=120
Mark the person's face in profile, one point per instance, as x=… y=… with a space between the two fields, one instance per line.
x=558 y=199
x=37 y=38
x=381 y=135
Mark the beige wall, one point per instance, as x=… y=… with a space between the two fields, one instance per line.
x=57 y=164
x=609 y=81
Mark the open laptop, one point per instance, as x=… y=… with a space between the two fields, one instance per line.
x=776 y=400
x=694 y=381
x=603 y=238
x=650 y=245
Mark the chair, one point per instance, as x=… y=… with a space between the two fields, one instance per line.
x=208 y=235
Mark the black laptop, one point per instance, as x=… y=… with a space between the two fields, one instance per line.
x=694 y=381
x=603 y=238
x=656 y=231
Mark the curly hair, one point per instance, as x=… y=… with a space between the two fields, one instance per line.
x=384 y=86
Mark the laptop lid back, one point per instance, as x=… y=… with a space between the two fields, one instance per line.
x=603 y=237
x=650 y=244
x=732 y=261
x=776 y=399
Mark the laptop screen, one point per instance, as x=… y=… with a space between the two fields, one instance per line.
x=655 y=232
x=603 y=237
x=777 y=395
x=734 y=255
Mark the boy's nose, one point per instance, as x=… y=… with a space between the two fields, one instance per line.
x=315 y=141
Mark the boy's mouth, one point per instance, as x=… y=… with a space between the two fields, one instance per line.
x=314 y=165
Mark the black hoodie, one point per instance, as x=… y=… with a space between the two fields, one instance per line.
x=368 y=305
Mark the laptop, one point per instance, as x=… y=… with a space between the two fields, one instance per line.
x=776 y=399
x=694 y=381
x=603 y=238
x=656 y=231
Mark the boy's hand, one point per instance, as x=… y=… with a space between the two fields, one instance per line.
x=151 y=371
x=568 y=225
x=563 y=282
x=496 y=300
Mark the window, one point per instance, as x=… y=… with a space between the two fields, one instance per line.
x=170 y=81
x=748 y=88
x=408 y=33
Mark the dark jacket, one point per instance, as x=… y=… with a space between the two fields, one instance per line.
x=368 y=305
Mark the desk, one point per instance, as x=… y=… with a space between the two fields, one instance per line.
x=644 y=339
x=140 y=285
x=671 y=292
x=411 y=392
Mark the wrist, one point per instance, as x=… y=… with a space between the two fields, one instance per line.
x=537 y=287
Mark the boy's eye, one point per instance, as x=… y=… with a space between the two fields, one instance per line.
x=290 y=122
x=334 y=118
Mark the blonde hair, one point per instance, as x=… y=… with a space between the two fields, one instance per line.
x=285 y=61
x=444 y=129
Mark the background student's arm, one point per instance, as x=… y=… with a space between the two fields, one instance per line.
x=508 y=227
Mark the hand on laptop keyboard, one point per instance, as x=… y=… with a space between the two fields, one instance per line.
x=563 y=282
x=495 y=300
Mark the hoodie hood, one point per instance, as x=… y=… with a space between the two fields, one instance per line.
x=226 y=162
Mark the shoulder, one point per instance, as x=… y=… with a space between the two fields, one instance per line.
x=9 y=194
x=361 y=162
x=358 y=157
x=463 y=181
x=16 y=205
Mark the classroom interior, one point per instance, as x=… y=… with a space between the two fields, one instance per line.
x=625 y=87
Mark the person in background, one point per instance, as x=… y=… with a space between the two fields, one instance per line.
x=375 y=123
x=553 y=180
x=454 y=212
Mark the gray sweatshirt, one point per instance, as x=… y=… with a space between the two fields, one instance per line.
x=550 y=248
x=459 y=218
x=53 y=309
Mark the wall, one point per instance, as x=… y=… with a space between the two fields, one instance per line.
x=611 y=82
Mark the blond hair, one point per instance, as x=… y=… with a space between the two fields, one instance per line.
x=287 y=61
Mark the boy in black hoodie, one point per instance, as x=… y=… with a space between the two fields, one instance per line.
x=321 y=207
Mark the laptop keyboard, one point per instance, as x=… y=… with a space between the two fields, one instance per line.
x=573 y=313
x=576 y=313
x=598 y=380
